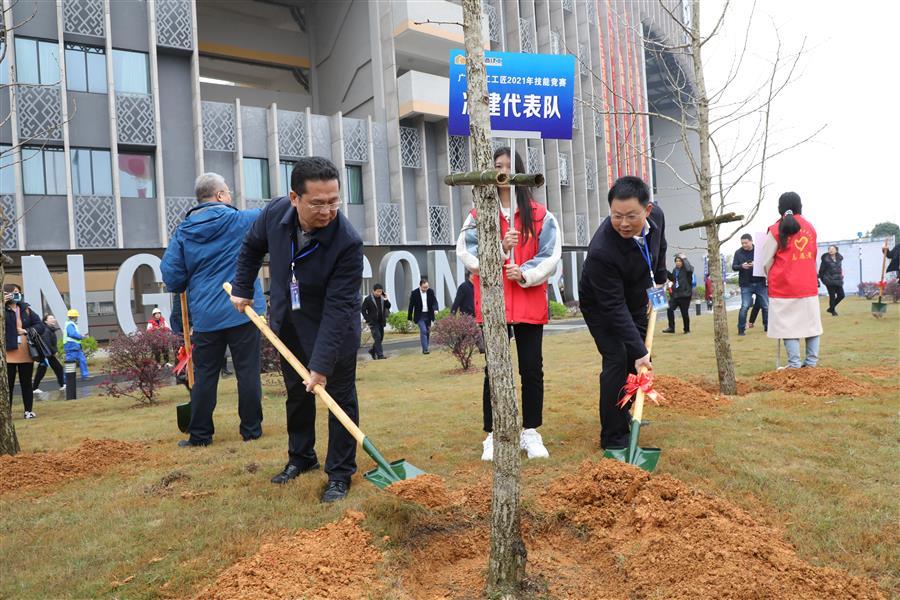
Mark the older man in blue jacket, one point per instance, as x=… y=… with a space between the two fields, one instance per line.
x=201 y=256
x=315 y=269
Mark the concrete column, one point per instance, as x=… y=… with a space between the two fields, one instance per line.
x=64 y=114
x=238 y=157
x=392 y=110
x=14 y=124
x=158 y=160
x=370 y=235
x=336 y=124
x=309 y=145
x=442 y=161
x=272 y=151
x=196 y=99
x=113 y=125
x=423 y=224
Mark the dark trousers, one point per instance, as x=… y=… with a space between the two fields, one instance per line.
x=377 y=337
x=209 y=356
x=42 y=370
x=529 y=345
x=684 y=304
x=24 y=370
x=340 y=462
x=617 y=364
x=835 y=295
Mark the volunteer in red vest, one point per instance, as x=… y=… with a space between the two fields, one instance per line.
x=789 y=255
x=157 y=322
x=532 y=247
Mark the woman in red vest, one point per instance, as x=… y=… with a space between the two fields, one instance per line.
x=790 y=258
x=533 y=249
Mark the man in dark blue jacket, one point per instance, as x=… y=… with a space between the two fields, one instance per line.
x=626 y=257
x=464 y=302
x=200 y=257
x=750 y=285
x=315 y=270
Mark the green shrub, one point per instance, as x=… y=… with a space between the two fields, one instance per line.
x=397 y=321
x=88 y=346
x=700 y=291
x=441 y=314
x=558 y=310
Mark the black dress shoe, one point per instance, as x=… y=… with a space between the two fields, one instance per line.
x=668 y=330
x=193 y=443
x=251 y=438
x=291 y=471
x=336 y=490
x=372 y=353
x=381 y=357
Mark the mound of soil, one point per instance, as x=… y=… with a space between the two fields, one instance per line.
x=743 y=387
x=820 y=381
x=427 y=490
x=678 y=393
x=613 y=531
x=46 y=469
x=335 y=562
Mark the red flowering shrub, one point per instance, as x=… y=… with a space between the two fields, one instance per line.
x=460 y=334
x=134 y=371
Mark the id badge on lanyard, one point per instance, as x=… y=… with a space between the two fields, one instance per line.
x=655 y=295
x=295 y=285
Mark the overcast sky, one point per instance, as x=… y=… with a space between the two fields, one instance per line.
x=847 y=175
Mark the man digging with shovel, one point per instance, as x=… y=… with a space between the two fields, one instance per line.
x=315 y=269
x=625 y=262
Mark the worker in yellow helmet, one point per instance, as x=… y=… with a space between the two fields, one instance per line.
x=72 y=343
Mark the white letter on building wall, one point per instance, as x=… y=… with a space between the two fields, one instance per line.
x=37 y=281
x=553 y=282
x=124 y=280
x=388 y=269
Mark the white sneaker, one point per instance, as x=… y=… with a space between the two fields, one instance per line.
x=531 y=442
x=30 y=415
x=40 y=394
x=63 y=388
x=488 y=443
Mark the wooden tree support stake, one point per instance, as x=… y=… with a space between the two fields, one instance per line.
x=726 y=218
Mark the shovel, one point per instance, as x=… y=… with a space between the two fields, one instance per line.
x=879 y=309
x=645 y=458
x=384 y=473
x=183 y=411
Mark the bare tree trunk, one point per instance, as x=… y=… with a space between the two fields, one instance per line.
x=9 y=443
x=506 y=566
x=724 y=360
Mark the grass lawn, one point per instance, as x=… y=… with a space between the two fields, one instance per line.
x=818 y=467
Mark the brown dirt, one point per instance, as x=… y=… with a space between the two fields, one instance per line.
x=335 y=562
x=50 y=469
x=427 y=490
x=743 y=387
x=820 y=381
x=878 y=372
x=678 y=393
x=613 y=531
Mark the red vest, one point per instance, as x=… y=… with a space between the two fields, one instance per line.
x=523 y=304
x=793 y=273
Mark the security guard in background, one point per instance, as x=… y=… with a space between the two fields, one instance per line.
x=315 y=269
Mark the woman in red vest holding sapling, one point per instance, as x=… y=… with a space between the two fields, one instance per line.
x=533 y=248
x=789 y=254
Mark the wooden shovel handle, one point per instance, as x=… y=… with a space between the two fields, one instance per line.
x=323 y=395
x=186 y=331
x=648 y=341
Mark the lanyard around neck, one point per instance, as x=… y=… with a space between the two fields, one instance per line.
x=645 y=252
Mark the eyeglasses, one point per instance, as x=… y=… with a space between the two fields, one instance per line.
x=322 y=208
x=630 y=217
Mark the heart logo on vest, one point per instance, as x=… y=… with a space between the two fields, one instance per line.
x=800 y=243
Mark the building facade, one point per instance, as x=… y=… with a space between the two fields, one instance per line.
x=117 y=105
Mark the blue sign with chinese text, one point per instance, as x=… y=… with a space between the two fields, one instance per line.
x=527 y=93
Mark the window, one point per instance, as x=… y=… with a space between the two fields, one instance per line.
x=256 y=178
x=130 y=72
x=85 y=68
x=354 y=178
x=136 y=176
x=44 y=171
x=7 y=177
x=37 y=61
x=91 y=175
x=286 y=167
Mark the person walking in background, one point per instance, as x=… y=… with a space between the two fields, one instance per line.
x=19 y=319
x=464 y=301
x=790 y=262
x=157 y=322
x=51 y=326
x=708 y=292
x=682 y=279
x=201 y=255
x=750 y=285
x=72 y=340
x=831 y=274
x=422 y=311
x=375 y=309
x=626 y=261
x=893 y=255
x=315 y=268
x=532 y=244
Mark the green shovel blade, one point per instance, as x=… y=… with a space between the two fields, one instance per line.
x=385 y=473
x=645 y=458
x=879 y=308
x=183 y=411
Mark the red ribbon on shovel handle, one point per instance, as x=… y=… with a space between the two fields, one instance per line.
x=643 y=381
